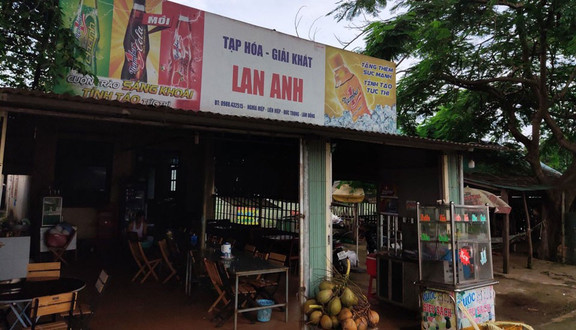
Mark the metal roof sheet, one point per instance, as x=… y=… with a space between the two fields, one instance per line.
x=39 y=103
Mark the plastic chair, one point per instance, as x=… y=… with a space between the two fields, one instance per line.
x=371 y=270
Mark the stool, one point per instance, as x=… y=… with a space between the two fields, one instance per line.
x=371 y=270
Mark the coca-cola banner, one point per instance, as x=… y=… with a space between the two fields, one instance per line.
x=160 y=53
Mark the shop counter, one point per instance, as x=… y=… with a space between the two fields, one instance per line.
x=396 y=279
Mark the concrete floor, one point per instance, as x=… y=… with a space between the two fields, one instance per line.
x=153 y=305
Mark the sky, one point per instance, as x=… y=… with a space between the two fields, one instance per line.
x=282 y=14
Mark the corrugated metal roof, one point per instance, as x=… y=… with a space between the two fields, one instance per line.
x=39 y=103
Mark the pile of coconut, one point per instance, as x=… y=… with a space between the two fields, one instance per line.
x=340 y=304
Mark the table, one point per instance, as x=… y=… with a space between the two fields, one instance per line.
x=19 y=293
x=245 y=264
x=280 y=243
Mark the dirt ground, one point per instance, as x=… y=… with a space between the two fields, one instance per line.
x=543 y=297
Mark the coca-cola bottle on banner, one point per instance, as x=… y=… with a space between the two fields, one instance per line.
x=86 y=29
x=136 y=44
x=181 y=57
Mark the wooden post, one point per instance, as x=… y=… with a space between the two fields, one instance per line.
x=528 y=231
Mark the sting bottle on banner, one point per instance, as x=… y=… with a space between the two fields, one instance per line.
x=181 y=70
x=348 y=88
x=136 y=45
x=86 y=30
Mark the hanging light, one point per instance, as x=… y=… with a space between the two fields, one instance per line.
x=471 y=163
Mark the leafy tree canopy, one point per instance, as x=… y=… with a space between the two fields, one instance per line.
x=36 y=48
x=501 y=70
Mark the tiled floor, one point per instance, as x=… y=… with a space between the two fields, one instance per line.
x=153 y=305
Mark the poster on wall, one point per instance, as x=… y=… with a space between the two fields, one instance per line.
x=51 y=211
x=360 y=92
x=160 y=53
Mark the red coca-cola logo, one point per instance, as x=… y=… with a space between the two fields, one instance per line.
x=136 y=55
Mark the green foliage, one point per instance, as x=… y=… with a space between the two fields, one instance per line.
x=36 y=48
x=485 y=70
x=348 y=9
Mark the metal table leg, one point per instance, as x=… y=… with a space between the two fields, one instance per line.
x=20 y=312
x=236 y=304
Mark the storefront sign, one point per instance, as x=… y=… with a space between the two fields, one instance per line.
x=160 y=53
x=480 y=304
x=438 y=310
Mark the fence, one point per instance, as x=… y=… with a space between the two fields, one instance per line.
x=366 y=211
x=258 y=211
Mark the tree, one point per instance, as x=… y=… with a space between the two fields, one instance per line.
x=36 y=48
x=510 y=61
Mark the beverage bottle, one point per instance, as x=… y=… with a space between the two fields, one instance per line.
x=348 y=88
x=87 y=31
x=181 y=71
x=136 y=44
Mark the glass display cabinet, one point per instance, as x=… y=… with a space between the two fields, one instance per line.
x=455 y=265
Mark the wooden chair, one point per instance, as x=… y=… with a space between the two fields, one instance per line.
x=277 y=259
x=43 y=270
x=58 y=252
x=294 y=256
x=226 y=292
x=83 y=313
x=267 y=285
x=250 y=248
x=50 y=305
x=145 y=266
x=166 y=258
x=261 y=255
x=215 y=240
x=216 y=280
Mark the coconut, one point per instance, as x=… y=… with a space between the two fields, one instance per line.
x=345 y=313
x=373 y=318
x=335 y=321
x=334 y=306
x=326 y=322
x=325 y=285
x=315 y=317
x=324 y=296
x=361 y=323
x=348 y=298
x=349 y=324
x=307 y=305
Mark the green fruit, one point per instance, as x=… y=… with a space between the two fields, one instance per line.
x=348 y=298
x=324 y=296
x=325 y=285
x=334 y=306
x=307 y=305
x=315 y=317
x=326 y=322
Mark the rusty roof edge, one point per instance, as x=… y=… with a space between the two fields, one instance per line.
x=19 y=99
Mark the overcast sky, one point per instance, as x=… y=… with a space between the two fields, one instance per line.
x=281 y=15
